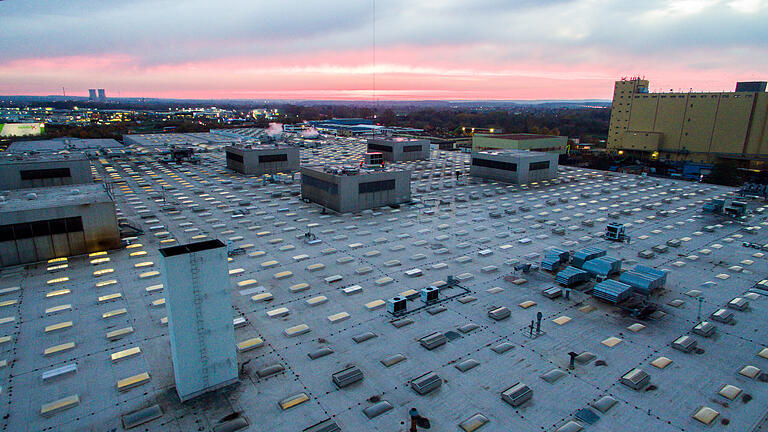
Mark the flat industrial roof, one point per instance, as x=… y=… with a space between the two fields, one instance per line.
x=51 y=197
x=398 y=139
x=92 y=322
x=60 y=144
x=16 y=159
x=509 y=153
x=337 y=170
x=519 y=136
x=259 y=147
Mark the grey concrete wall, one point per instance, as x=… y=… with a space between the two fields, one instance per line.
x=100 y=232
x=10 y=173
x=494 y=174
x=523 y=174
x=399 y=195
x=542 y=174
x=202 y=336
x=319 y=196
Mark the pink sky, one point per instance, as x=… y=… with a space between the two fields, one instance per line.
x=444 y=51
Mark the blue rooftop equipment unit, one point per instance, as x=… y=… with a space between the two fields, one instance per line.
x=550 y=262
x=603 y=266
x=429 y=294
x=642 y=283
x=571 y=275
x=396 y=305
x=644 y=279
x=612 y=291
x=714 y=206
x=553 y=258
x=651 y=271
x=583 y=255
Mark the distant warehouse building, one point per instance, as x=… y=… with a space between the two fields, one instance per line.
x=694 y=127
x=21 y=129
x=45 y=223
x=400 y=149
x=20 y=172
x=351 y=189
x=514 y=166
x=520 y=141
x=66 y=144
x=262 y=159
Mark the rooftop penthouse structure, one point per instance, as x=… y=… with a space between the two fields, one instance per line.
x=262 y=159
x=400 y=148
x=23 y=171
x=514 y=166
x=346 y=189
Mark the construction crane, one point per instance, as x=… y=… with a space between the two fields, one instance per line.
x=616 y=232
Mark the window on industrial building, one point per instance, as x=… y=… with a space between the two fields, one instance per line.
x=506 y=166
x=411 y=148
x=323 y=185
x=26 y=230
x=376 y=186
x=234 y=157
x=273 y=158
x=58 y=226
x=6 y=233
x=538 y=166
x=45 y=173
x=380 y=147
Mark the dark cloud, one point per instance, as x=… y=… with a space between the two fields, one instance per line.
x=157 y=32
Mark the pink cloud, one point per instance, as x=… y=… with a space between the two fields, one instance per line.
x=402 y=72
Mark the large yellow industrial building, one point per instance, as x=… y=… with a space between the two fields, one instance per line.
x=695 y=127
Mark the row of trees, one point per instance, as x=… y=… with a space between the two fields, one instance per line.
x=590 y=124
x=587 y=123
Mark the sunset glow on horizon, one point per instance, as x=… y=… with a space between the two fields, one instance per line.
x=449 y=50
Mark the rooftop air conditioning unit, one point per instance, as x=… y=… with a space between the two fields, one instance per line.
x=397 y=305
x=430 y=294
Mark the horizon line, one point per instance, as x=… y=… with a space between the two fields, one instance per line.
x=113 y=98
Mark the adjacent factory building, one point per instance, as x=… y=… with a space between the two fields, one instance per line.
x=514 y=166
x=400 y=148
x=21 y=172
x=199 y=307
x=351 y=189
x=520 y=141
x=43 y=223
x=262 y=159
x=91 y=146
x=692 y=126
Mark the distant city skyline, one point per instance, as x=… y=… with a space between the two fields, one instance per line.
x=426 y=50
